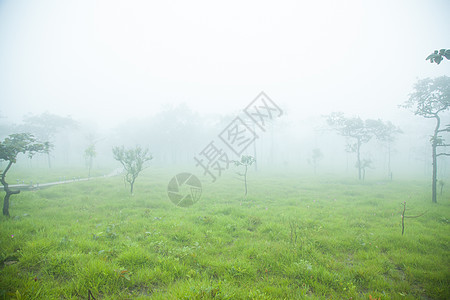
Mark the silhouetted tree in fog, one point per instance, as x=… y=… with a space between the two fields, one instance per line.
x=387 y=133
x=132 y=161
x=316 y=156
x=431 y=98
x=357 y=130
x=46 y=125
x=89 y=154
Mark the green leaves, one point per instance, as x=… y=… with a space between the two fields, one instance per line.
x=246 y=160
x=132 y=161
x=437 y=57
x=383 y=131
x=430 y=97
x=9 y=149
x=354 y=127
x=90 y=151
x=21 y=143
x=361 y=132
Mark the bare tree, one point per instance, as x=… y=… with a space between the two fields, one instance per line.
x=246 y=161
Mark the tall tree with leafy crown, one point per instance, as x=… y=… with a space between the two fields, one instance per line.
x=431 y=99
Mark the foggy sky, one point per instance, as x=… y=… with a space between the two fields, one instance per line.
x=113 y=60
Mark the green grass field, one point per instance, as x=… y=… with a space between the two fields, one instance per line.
x=293 y=237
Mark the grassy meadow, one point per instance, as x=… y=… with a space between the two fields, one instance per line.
x=293 y=237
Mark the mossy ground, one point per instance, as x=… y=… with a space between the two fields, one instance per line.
x=293 y=237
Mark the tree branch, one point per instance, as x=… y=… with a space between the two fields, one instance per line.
x=443 y=154
x=415 y=216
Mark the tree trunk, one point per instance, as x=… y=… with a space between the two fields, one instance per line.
x=358 y=162
x=434 y=158
x=6 y=204
x=434 y=178
x=7 y=191
x=131 y=184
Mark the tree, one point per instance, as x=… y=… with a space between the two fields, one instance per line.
x=359 y=131
x=316 y=156
x=89 y=154
x=387 y=134
x=437 y=57
x=246 y=161
x=366 y=163
x=132 y=161
x=9 y=149
x=45 y=126
x=431 y=98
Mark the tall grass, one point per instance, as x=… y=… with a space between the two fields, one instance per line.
x=293 y=237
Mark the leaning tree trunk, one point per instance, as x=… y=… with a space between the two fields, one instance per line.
x=6 y=201
x=7 y=191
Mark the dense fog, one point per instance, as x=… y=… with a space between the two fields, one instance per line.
x=177 y=134
x=171 y=76
x=327 y=123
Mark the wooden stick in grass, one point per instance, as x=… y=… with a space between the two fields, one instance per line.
x=403 y=216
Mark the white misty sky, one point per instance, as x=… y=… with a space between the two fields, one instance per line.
x=115 y=60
